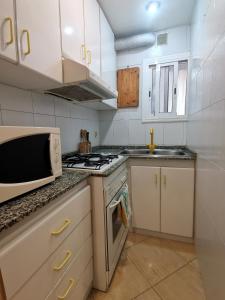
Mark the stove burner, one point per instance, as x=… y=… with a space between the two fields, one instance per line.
x=89 y=160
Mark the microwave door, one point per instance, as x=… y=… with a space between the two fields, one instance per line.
x=25 y=163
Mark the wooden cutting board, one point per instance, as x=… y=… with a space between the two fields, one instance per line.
x=128 y=87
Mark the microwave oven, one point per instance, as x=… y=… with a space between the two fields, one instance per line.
x=30 y=157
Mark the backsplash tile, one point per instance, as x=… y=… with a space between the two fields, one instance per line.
x=17 y=118
x=15 y=99
x=44 y=120
x=43 y=104
x=24 y=108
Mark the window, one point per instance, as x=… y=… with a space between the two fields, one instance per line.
x=165 y=90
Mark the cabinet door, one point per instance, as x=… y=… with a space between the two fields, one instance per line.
x=38 y=26
x=92 y=34
x=8 y=47
x=108 y=53
x=145 y=187
x=177 y=201
x=72 y=25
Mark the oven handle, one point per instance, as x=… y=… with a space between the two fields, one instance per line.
x=116 y=203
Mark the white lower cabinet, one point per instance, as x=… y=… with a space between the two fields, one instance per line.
x=145 y=187
x=52 y=255
x=177 y=201
x=163 y=199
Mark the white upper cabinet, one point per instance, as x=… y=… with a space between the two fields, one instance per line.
x=39 y=39
x=108 y=53
x=8 y=48
x=72 y=26
x=92 y=35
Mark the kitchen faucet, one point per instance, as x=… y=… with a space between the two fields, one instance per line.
x=152 y=146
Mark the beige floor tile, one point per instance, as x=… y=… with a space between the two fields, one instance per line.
x=185 y=284
x=186 y=250
x=134 y=238
x=149 y=295
x=97 y=295
x=195 y=265
x=155 y=259
x=127 y=283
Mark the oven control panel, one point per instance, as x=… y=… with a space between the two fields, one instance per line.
x=115 y=185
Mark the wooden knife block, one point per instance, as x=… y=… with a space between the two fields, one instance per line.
x=85 y=147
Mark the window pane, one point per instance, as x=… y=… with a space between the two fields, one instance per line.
x=182 y=87
x=166 y=89
x=152 y=94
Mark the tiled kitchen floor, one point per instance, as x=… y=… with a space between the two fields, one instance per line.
x=155 y=269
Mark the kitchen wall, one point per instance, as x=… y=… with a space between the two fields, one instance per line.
x=206 y=135
x=19 y=107
x=125 y=127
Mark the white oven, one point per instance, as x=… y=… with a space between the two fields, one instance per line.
x=29 y=158
x=117 y=216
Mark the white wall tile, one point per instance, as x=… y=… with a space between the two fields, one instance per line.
x=67 y=133
x=121 y=132
x=17 y=118
x=158 y=133
x=62 y=108
x=43 y=104
x=136 y=132
x=43 y=110
x=15 y=99
x=44 y=120
x=106 y=133
x=206 y=136
x=174 y=134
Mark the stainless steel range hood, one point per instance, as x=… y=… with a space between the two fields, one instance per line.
x=81 y=84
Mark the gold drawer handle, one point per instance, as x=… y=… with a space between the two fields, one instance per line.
x=71 y=285
x=11 y=38
x=67 y=222
x=28 y=42
x=89 y=55
x=64 y=262
x=84 y=52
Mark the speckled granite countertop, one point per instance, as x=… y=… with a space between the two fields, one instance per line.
x=13 y=211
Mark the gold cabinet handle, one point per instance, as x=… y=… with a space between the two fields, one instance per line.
x=66 y=223
x=71 y=285
x=24 y=31
x=89 y=55
x=64 y=262
x=156 y=179
x=164 y=180
x=11 y=38
x=84 y=52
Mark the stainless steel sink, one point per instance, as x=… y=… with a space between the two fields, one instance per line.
x=157 y=152
x=135 y=151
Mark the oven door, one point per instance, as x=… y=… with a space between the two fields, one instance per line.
x=115 y=225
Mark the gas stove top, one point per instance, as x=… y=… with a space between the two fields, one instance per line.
x=93 y=161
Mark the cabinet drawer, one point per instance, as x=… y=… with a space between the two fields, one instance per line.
x=23 y=256
x=78 y=244
x=76 y=281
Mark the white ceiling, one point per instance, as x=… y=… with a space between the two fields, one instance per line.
x=129 y=17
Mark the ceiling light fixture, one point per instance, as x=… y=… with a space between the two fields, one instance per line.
x=153 y=6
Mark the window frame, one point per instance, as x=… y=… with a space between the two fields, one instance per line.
x=147 y=115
